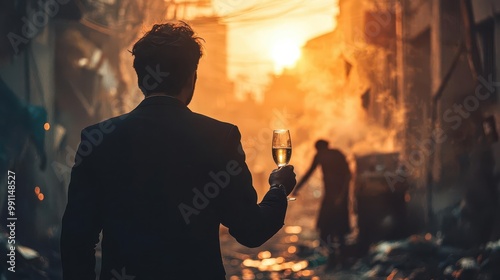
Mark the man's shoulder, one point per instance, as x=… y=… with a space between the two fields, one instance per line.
x=212 y=121
x=106 y=126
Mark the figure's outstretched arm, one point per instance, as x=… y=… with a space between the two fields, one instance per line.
x=308 y=174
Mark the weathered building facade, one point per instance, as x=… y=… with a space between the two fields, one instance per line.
x=424 y=73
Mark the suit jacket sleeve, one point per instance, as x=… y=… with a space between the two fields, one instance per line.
x=81 y=224
x=250 y=223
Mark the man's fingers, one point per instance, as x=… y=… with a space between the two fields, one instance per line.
x=283 y=175
x=288 y=167
x=283 y=169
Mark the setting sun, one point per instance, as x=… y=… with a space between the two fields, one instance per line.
x=284 y=53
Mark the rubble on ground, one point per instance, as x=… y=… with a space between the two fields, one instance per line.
x=418 y=257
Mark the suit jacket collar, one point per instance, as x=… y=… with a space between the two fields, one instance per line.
x=162 y=100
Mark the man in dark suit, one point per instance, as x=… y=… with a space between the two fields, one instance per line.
x=160 y=180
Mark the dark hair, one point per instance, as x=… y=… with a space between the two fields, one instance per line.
x=165 y=57
x=321 y=144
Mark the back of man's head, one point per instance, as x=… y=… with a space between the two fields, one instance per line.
x=165 y=57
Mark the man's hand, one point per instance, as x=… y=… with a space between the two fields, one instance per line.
x=284 y=176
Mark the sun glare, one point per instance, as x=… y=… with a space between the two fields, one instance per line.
x=284 y=54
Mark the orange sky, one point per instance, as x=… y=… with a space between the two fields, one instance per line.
x=270 y=26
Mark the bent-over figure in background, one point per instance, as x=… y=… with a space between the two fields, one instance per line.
x=333 y=218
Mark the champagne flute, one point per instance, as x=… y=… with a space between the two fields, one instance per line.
x=282 y=149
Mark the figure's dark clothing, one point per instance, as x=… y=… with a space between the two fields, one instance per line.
x=133 y=178
x=333 y=219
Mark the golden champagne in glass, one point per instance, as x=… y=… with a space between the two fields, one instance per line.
x=282 y=148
